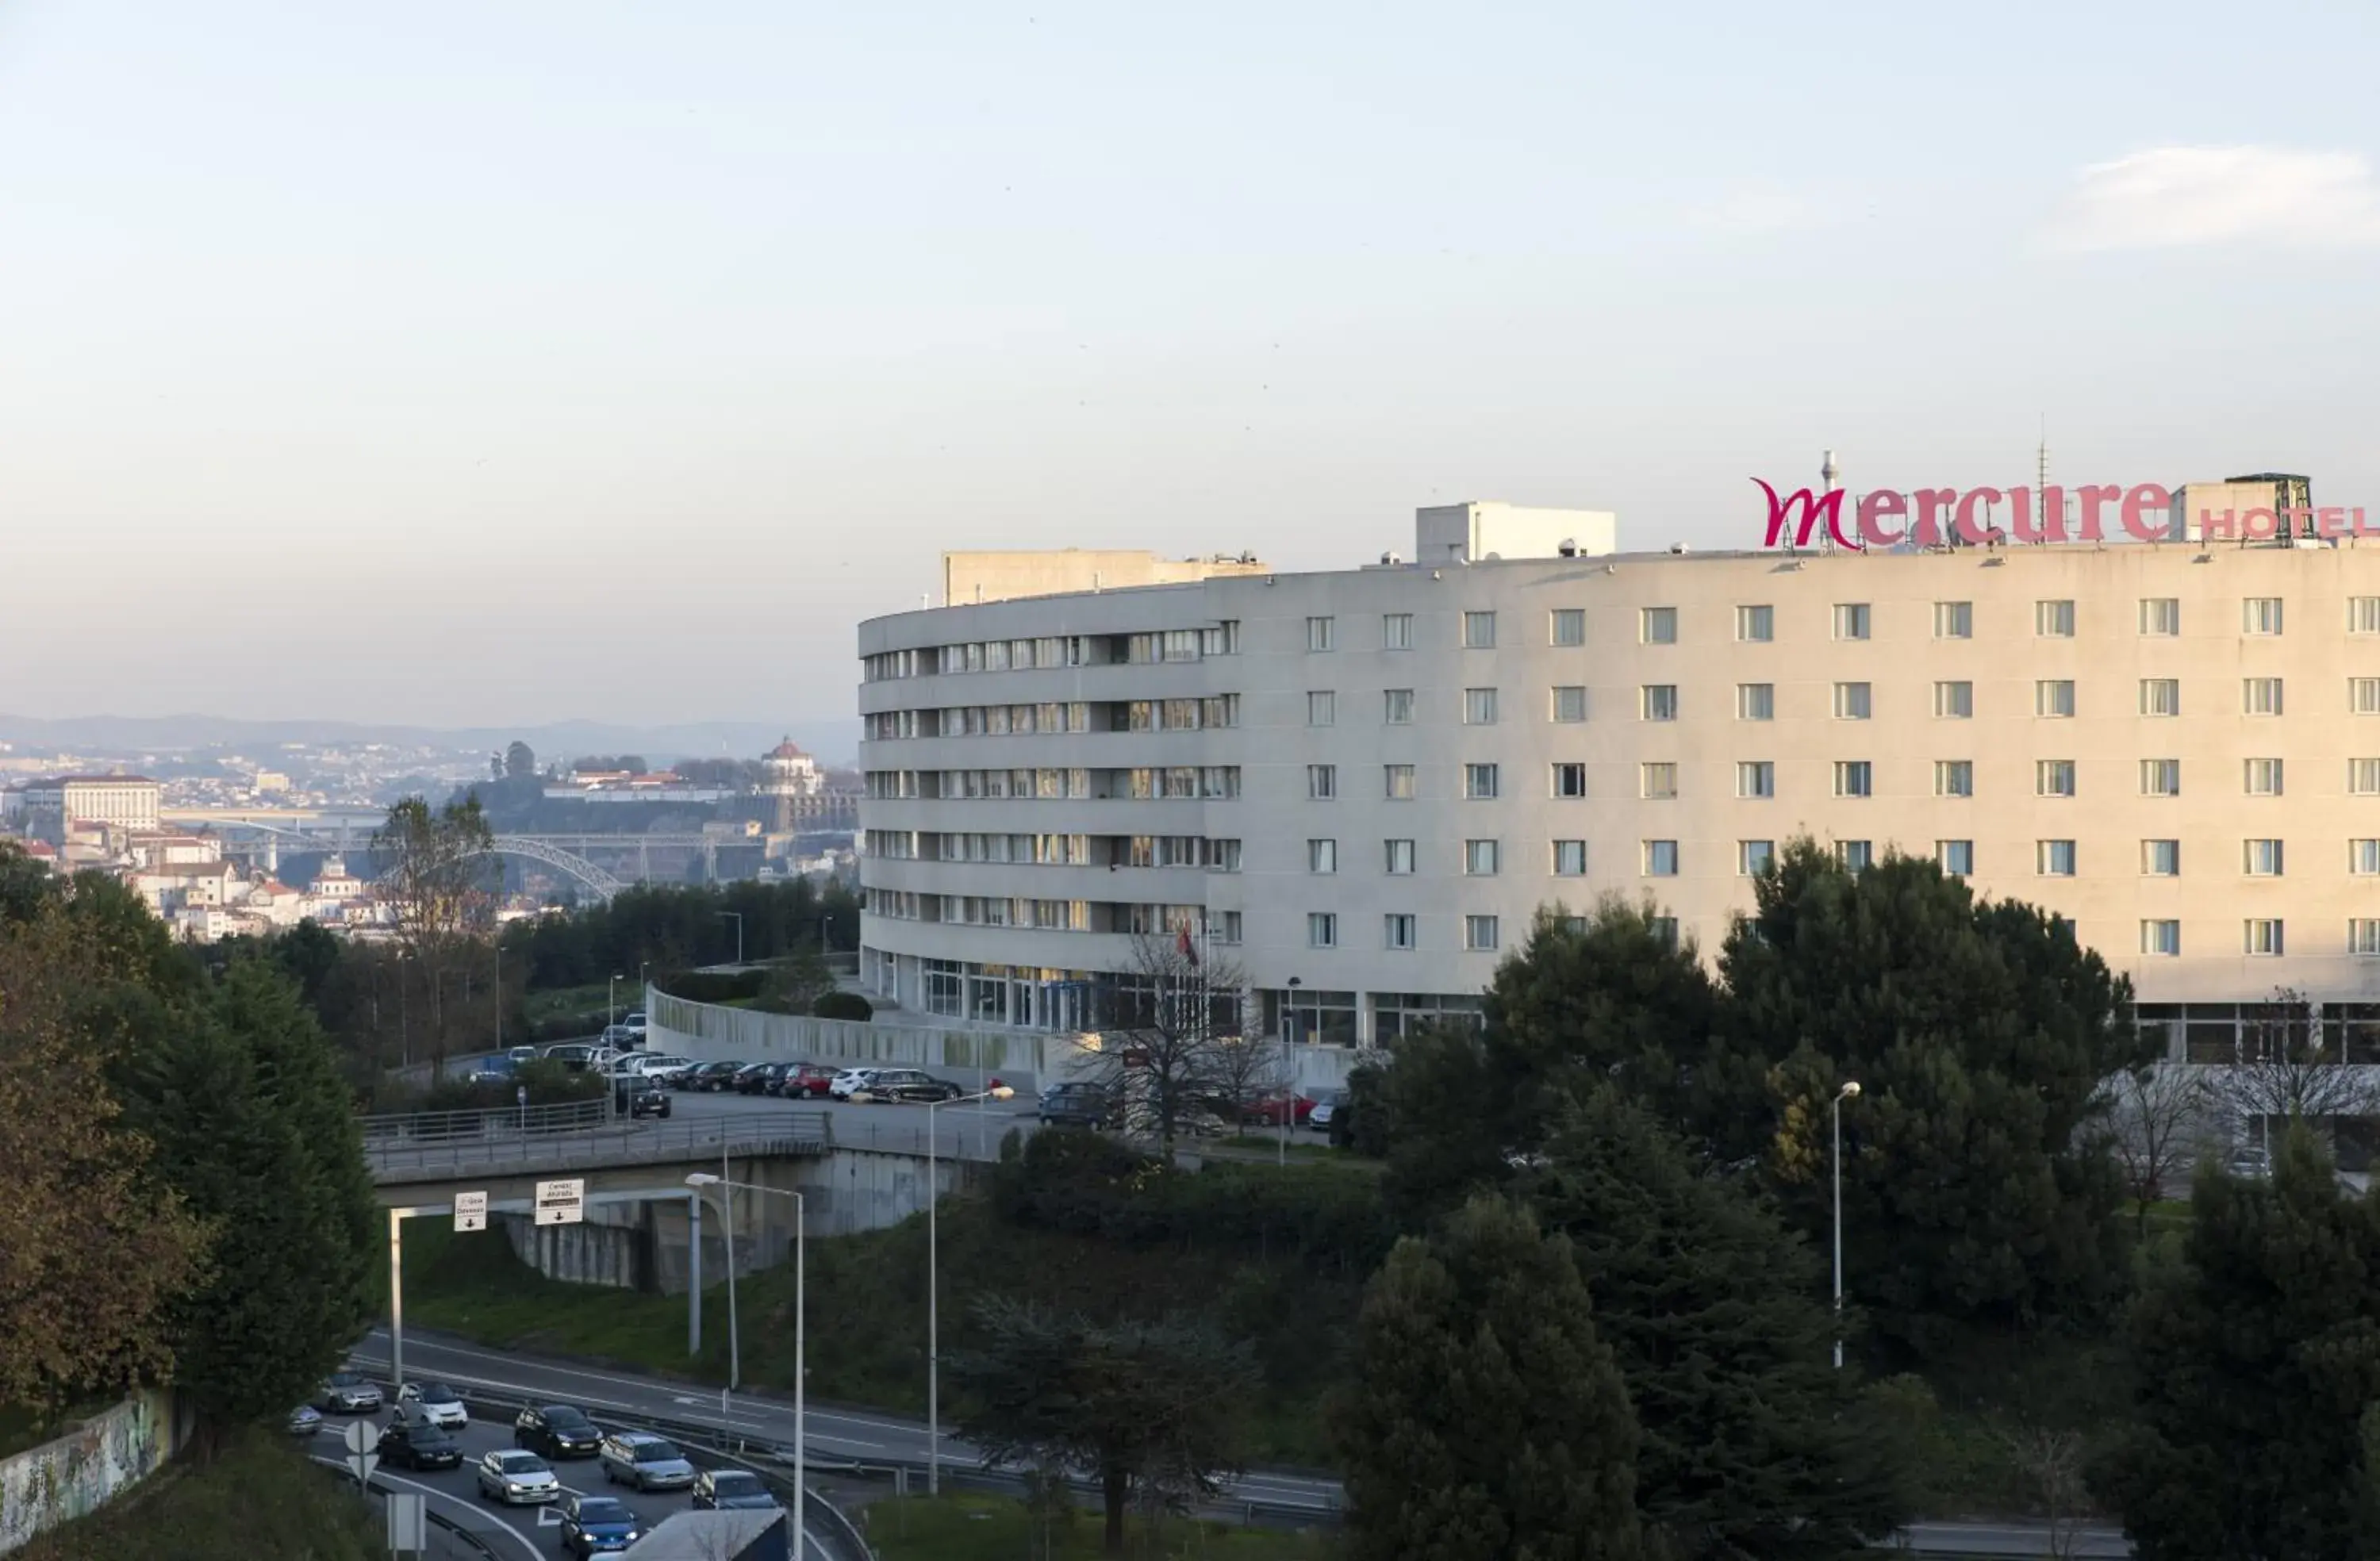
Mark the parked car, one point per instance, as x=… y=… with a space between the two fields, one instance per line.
x=710 y=1078
x=1325 y=1105
x=726 y=1489
x=753 y=1079
x=515 y=1478
x=597 y=1525
x=577 y=1056
x=807 y=1081
x=347 y=1393
x=491 y=1071
x=633 y=1097
x=618 y=1035
x=441 y=1405
x=909 y=1084
x=419 y=1444
x=665 y=1071
x=848 y=1082
x=1074 y=1106
x=522 y=1054
x=558 y=1431
x=1270 y=1108
x=647 y=1461
x=635 y=1024
x=305 y=1420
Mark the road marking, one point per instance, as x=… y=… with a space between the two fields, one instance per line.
x=436 y=1494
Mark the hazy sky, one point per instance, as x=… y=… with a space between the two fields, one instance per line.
x=512 y=361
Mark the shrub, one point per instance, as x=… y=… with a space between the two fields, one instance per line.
x=843 y=1005
x=713 y=985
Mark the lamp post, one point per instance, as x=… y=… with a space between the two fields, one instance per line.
x=1849 y=1092
x=612 y=1003
x=934 y=1290
x=737 y=917
x=701 y=1179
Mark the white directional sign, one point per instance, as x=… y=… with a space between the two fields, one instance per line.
x=470 y=1211
x=561 y=1203
x=362 y=1439
x=409 y=1523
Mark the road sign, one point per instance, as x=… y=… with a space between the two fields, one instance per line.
x=520 y=1095
x=470 y=1211
x=359 y=1437
x=561 y=1203
x=409 y=1523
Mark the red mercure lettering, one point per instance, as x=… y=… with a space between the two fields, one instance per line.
x=2053 y=514
x=1973 y=532
x=1875 y=508
x=1926 y=532
x=1812 y=507
x=2148 y=496
x=2094 y=494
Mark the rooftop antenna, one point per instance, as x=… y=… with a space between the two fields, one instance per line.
x=1830 y=474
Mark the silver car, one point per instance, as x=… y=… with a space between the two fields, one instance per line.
x=305 y=1420
x=515 y=1478
x=347 y=1393
x=647 y=1461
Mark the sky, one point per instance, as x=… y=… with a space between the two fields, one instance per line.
x=522 y=360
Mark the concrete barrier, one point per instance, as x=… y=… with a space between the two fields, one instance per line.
x=90 y=1466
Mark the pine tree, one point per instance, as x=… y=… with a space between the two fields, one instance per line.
x=1753 y=1443
x=1487 y=1422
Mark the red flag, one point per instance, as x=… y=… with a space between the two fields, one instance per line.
x=1182 y=942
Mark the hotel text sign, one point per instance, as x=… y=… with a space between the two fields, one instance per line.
x=1928 y=517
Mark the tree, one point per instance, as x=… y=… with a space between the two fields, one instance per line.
x=254 y=1128
x=2159 y=1120
x=2052 y=1463
x=1485 y=1418
x=2256 y=1371
x=520 y=762
x=92 y=1245
x=1169 y=1056
x=2289 y=1068
x=1753 y=1443
x=436 y=879
x=1143 y=1408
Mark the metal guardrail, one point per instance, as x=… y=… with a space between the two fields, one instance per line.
x=433 y=1145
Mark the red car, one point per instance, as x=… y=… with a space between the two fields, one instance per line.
x=1269 y=1109
x=807 y=1081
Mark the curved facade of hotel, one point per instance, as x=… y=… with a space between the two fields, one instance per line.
x=1368 y=780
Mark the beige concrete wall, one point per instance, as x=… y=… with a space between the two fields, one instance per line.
x=1003 y=576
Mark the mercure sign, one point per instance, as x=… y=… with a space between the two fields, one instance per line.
x=1928 y=517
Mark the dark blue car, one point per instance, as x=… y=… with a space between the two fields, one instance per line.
x=595 y=1525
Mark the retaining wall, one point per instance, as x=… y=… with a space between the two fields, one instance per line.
x=87 y=1466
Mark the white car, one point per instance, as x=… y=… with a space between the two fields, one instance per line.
x=440 y=1405
x=515 y=1478
x=661 y=1070
x=634 y=1023
x=851 y=1082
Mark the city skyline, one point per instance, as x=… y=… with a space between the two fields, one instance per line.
x=485 y=370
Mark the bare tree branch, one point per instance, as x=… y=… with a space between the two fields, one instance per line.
x=1176 y=1049
x=2290 y=1066
x=2159 y=1119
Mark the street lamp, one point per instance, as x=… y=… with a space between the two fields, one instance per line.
x=934 y=1290
x=737 y=917
x=698 y=1180
x=1849 y=1092
x=614 y=1003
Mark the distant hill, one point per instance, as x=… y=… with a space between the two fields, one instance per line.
x=833 y=741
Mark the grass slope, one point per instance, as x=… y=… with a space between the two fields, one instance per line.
x=261 y=1501
x=970 y=1527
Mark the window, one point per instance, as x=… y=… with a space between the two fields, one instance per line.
x=2160 y=696
x=1321 y=781
x=2363 y=696
x=1756 y=625
x=1479 y=859
x=1954 y=701
x=1853 y=701
x=1397 y=781
x=2160 y=777
x=1856 y=857
x=1479 y=934
x=1753 y=857
x=1479 y=631
x=1321 y=708
x=2054 y=697
x=1660 y=859
x=2363 y=857
x=1225 y=927
x=1658 y=701
x=1853 y=778
x=1850 y=620
x=1321 y=929
x=2054 y=620
x=1954 y=778
x=1322 y=857
x=2263 y=936
x=2053 y=777
x=2161 y=939
x=1396 y=706
x=1321 y=634
x=2260 y=859
x=1480 y=781
x=1569 y=779
x=2263 y=778
x=1570 y=859
x=1399 y=858
x=2259 y=615
x=2054 y=859
x=1755 y=778
x=2260 y=697
x=1568 y=627
x=1658 y=783
x=2161 y=859
x=1570 y=704
x=1396 y=631
x=2363 y=935
x=2364 y=614
x=1397 y=931
x=1657 y=625
x=1954 y=620
x=2161 y=616
x=2362 y=778
x=1223 y=639
x=1756 y=701
x=1478 y=707
x=1957 y=857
